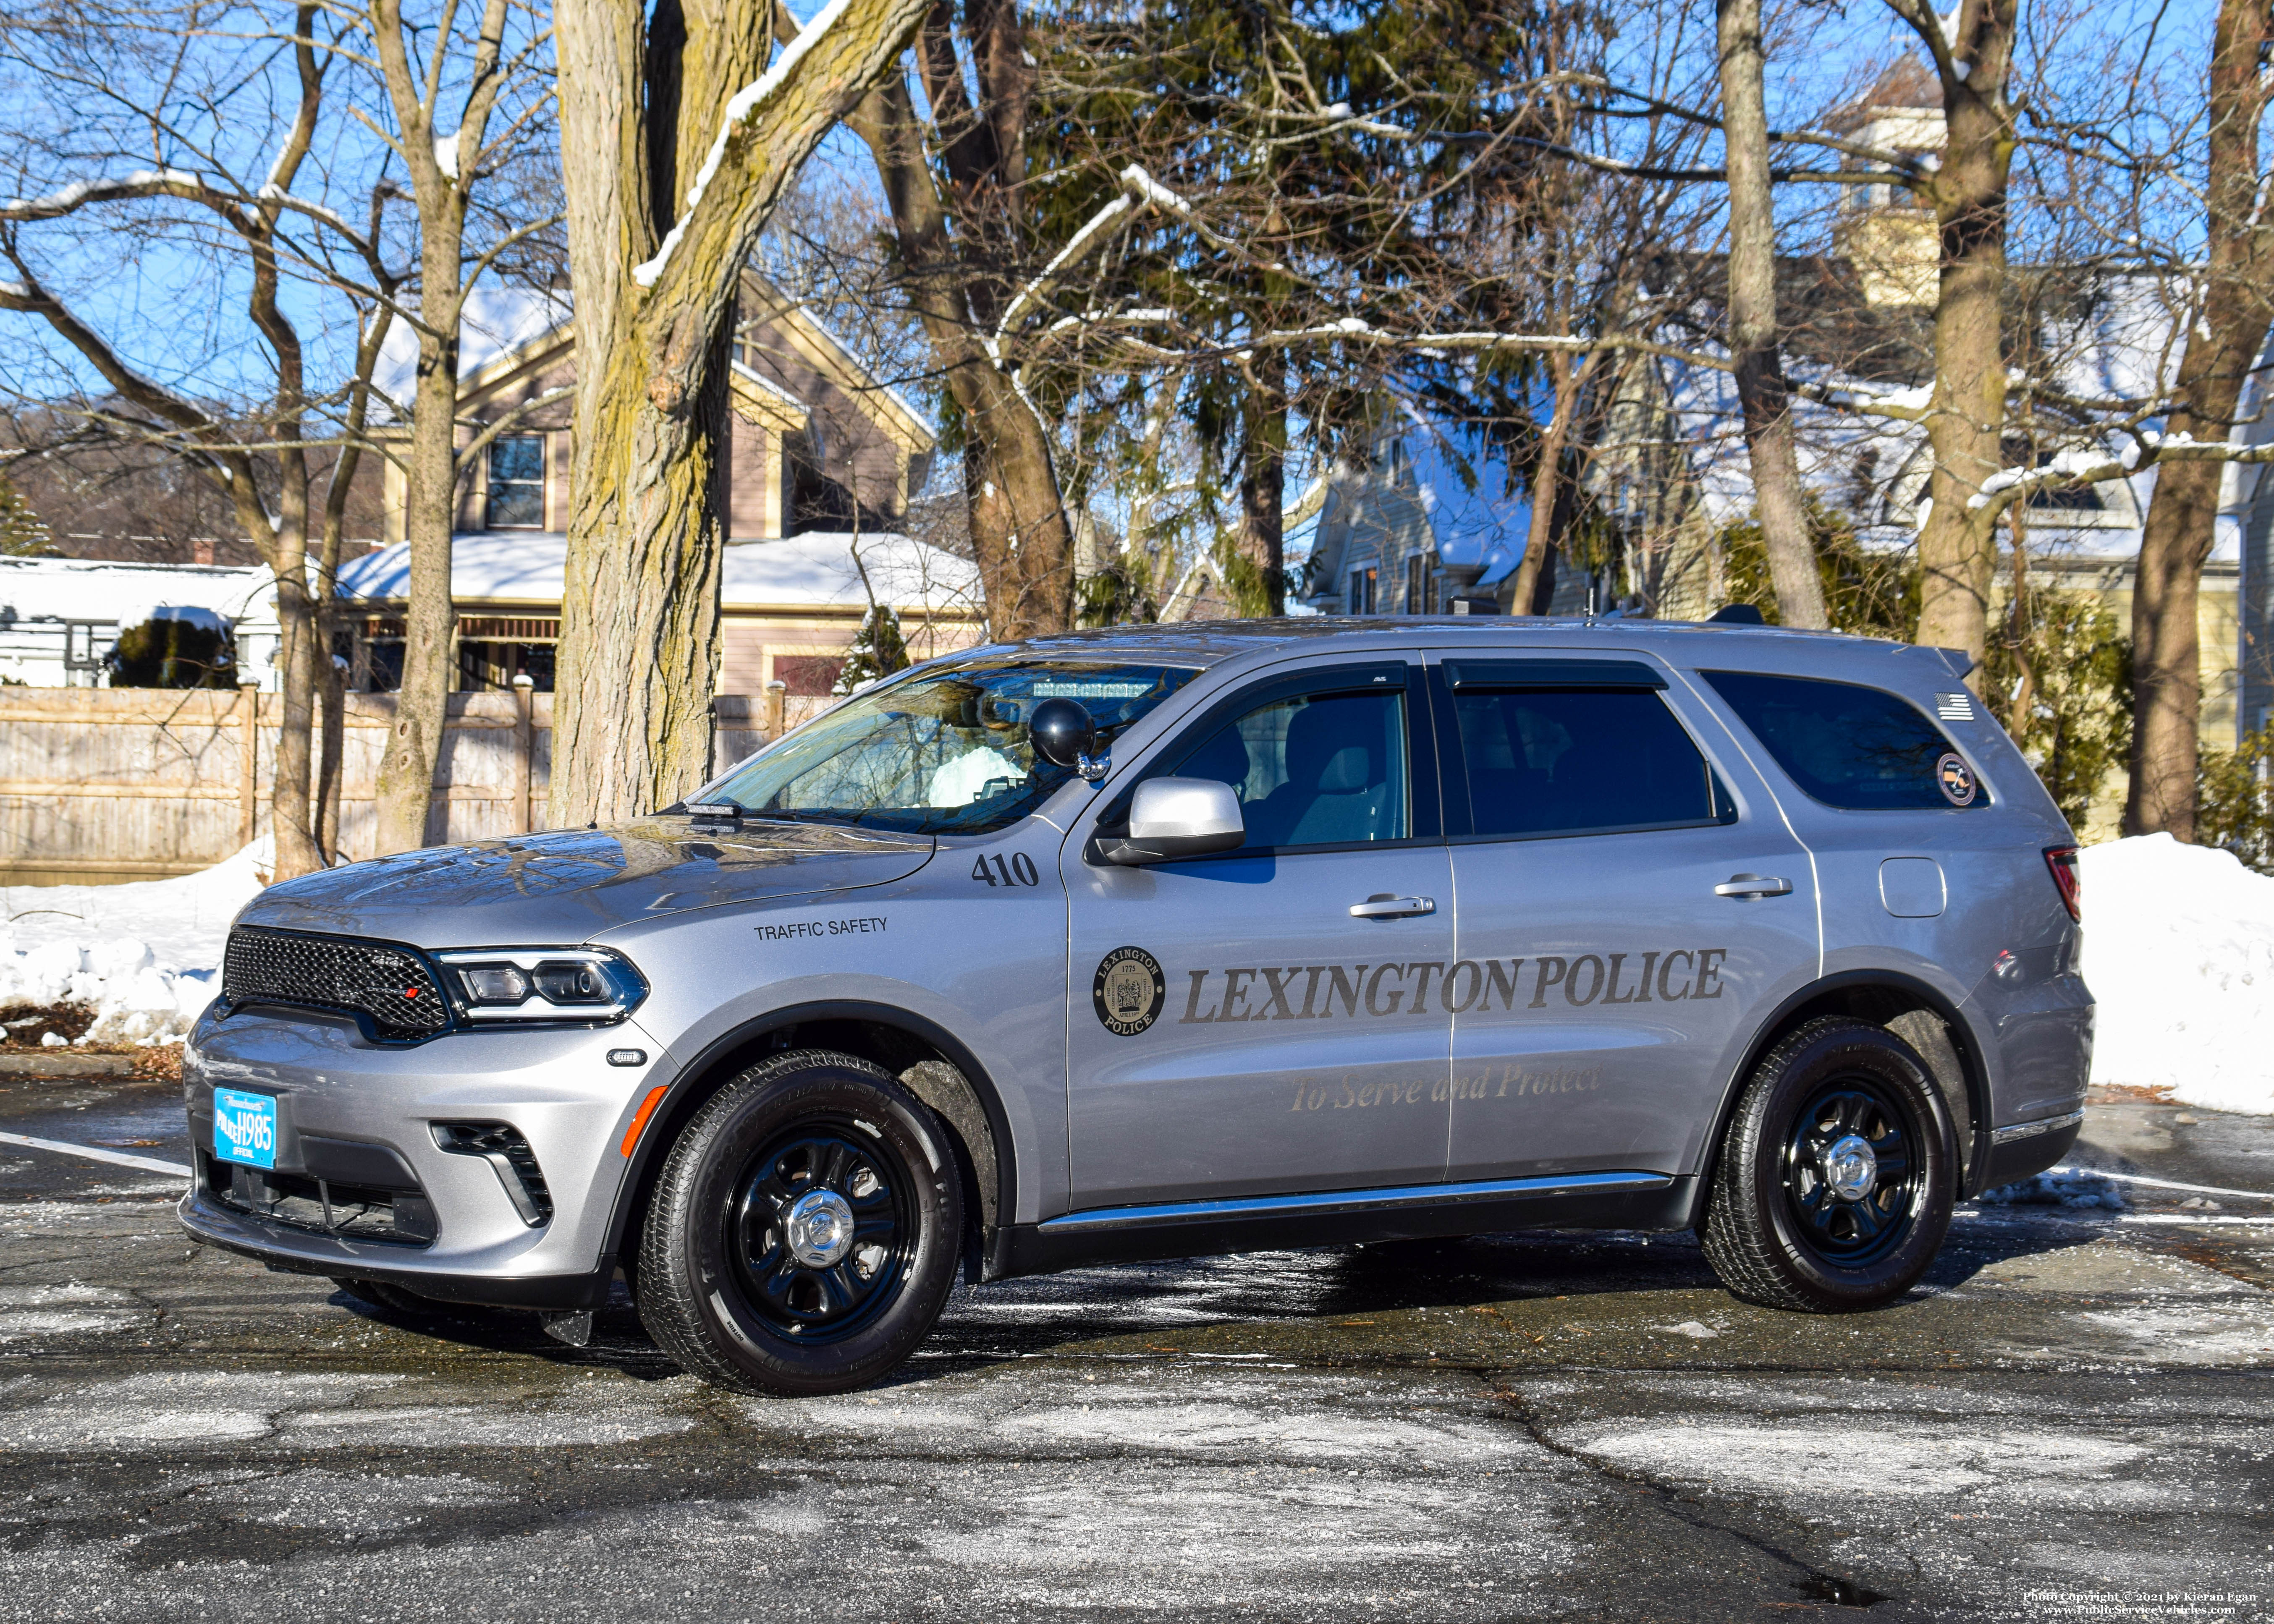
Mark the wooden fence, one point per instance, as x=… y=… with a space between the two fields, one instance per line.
x=101 y=785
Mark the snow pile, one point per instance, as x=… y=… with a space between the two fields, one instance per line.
x=2178 y=949
x=2077 y=1187
x=146 y=957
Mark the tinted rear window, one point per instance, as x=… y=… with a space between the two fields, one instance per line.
x=1859 y=748
x=1562 y=762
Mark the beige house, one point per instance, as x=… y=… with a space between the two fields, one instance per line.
x=820 y=468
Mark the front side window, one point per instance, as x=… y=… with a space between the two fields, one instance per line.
x=517 y=483
x=942 y=751
x=1858 y=748
x=1548 y=761
x=1313 y=769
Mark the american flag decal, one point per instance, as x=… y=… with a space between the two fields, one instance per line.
x=1954 y=707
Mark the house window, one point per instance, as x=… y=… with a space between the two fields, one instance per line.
x=1361 y=591
x=517 y=483
x=1420 y=584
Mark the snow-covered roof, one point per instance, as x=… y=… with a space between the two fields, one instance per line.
x=496 y=321
x=2123 y=348
x=62 y=589
x=818 y=568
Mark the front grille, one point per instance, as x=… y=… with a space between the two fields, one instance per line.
x=389 y=985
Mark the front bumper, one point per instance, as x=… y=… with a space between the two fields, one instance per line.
x=388 y=1164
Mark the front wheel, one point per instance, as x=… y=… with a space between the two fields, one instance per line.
x=803 y=1233
x=1835 y=1182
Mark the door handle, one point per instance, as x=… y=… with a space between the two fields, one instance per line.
x=1385 y=905
x=1744 y=886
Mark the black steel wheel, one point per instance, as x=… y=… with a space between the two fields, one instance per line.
x=1850 y=1178
x=804 y=1231
x=823 y=1229
x=1834 y=1183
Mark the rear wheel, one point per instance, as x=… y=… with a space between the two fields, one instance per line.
x=803 y=1233
x=1835 y=1182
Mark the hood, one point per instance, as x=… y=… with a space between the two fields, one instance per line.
x=563 y=888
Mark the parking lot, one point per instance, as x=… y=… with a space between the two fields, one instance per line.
x=2071 y=1420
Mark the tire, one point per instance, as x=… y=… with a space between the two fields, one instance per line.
x=740 y=1297
x=1790 y=1224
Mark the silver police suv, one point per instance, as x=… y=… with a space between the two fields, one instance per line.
x=1169 y=941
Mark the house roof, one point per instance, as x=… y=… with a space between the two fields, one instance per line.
x=2115 y=344
x=503 y=325
x=817 y=569
x=1906 y=83
x=61 y=589
x=495 y=322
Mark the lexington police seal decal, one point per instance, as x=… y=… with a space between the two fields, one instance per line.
x=1129 y=991
x=1957 y=779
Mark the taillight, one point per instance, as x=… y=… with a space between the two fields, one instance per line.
x=2062 y=861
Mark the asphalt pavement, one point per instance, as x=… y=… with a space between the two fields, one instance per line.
x=2070 y=1420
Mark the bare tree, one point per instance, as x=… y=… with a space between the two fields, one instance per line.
x=1973 y=57
x=963 y=230
x=445 y=165
x=261 y=460
x=1761 y=391
x=2227 y=328
x=683 y=104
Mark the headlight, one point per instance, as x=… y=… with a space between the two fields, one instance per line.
x=542 y=983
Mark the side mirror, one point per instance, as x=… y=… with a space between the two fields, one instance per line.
x=1171 y=819
x=1064 y=735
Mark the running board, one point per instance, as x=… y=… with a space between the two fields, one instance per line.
x=1338 y=1201
x=1612 y=1200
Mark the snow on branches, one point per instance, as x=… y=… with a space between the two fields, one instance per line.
x=738 y=108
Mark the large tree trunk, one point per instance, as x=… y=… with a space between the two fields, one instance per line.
x=656 y=282
x=1958 y=548
x=647 y=603
x=1535 y=573
x=292 y=809
x=1761 y=391
x=1018 y=529
x=406 y=771
x=333 y=697
x=1264 y=496
x=2222 y=347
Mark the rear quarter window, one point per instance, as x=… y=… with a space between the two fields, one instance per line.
x=1859 y=748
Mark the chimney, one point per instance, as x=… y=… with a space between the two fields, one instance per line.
x=1897 y=253
x=1892 y=243
x=201 y=550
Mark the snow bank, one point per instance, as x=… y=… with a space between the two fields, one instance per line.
x=146 y=957
x=2179 y=949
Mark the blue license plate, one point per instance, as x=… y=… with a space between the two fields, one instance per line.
x=244 y=1127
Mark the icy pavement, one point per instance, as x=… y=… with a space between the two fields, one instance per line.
x=2069 y=1419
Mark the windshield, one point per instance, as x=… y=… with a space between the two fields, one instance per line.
x=942 y=752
